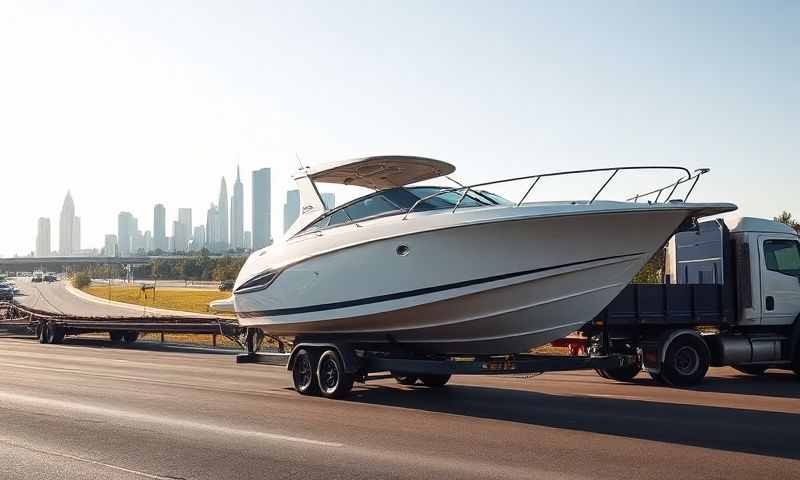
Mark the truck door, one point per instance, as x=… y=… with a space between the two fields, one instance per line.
x=780 y=279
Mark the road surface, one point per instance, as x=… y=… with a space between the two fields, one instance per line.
x=54 y=297
x=86 y=410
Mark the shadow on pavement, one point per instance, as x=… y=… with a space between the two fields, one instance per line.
x=775 y=383
x=737 y=430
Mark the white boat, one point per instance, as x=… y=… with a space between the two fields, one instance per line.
x=451 y=270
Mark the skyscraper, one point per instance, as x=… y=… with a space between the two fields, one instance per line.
x=261 y=208
x=212 y=228
x=65 y=226
x=126 y=228
x=159 y=227
x=185 y=221
x=248 y=240
x=110 y=247
x=199 y=238
x=291 y=209
x=223 y=214
x=43 y=237
x=76 y=234
x=237 y=213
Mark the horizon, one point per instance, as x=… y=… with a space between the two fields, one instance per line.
x=130 y=105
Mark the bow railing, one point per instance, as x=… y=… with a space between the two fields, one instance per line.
x=466 y=189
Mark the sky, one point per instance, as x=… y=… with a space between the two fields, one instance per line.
x=128 y=104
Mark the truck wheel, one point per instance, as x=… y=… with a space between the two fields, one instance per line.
x=305 y=382
x=130 y=337
x=620 y=374
x=42 y=330
x=116 y=337
x=686 y=361
x=404 y=379
x=751 y=369
x=434 y=381
x=334 y=382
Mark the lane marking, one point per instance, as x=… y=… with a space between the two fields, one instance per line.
x=52 y=404
x=87 y=460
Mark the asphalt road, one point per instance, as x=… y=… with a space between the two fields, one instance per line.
x=85 y=409
x=55 y=298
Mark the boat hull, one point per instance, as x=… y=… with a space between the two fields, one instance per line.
x=483 y=287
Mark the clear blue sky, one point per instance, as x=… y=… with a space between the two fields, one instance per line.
x=133 y=103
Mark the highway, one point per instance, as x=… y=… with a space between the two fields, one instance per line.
x=85 y=409
x=54 y=297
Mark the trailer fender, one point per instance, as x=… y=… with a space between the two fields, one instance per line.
x=349 y=359
x=654 y=353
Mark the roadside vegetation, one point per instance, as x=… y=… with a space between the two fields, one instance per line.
x=183 y=299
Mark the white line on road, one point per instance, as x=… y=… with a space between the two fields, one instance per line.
x=52 y=404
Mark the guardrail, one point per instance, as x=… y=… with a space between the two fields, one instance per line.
x=465 y=189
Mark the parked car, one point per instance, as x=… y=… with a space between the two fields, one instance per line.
x=6 y=293
x=226 y=285
x=50 y=277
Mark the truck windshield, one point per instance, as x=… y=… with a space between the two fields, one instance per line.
x=783 y=256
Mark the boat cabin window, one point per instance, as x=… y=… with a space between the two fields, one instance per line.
x=783 y=256
x=370 y=207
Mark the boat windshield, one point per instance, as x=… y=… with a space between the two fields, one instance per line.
x=394 y=201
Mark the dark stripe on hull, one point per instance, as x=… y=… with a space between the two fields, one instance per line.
x=419 y=291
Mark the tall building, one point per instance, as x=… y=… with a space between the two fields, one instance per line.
x=126 y=230
x=222 y=207
x=291 y=209
x=43 y=237
x=148 y=241
x=212 y=228
x=183 y=237
x=110 y=247
x=159 y=227
x=261 y=208
x=329 y=200
x=76 y=234
x=248 y=240
x=237 y=213
x=178 y=237
x=65 y=225
x=199 y=238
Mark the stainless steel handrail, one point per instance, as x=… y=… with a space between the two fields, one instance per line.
x=465 y=189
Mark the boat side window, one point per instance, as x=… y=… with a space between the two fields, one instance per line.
x=337 y=218
x=782 y=256
x=370 y=207
x=448 y=199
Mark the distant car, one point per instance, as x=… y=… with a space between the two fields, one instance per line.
x=6 y=293
x=226 y=285
x=50 y=277
x=37 y=277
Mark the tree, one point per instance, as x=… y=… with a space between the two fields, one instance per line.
x=787 y=219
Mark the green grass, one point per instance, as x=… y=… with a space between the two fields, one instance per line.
x=181 y=299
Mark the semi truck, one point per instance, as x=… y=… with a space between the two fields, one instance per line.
x=729 y=296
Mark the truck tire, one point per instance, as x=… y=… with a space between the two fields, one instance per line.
x=404 y=379
x=333 y=381
x=435 y=381
x=751 y=369
x=130 y=337
x=55 y=334
x=686 y=361
x=115 y=336
x=42 y=333
x=305 y=381
x=620 y=374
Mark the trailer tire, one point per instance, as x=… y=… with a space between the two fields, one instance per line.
x=435 y=381
x=686 y=361
x=130 y=337
x=42 y=333
x=404 y=379
x=751 y=369
x=333 y=381
x=305 y=381
x=115 y=337
x=54 y=334
x=620 y=374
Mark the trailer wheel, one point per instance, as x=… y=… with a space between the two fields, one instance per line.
x=334 y=382
x=305 y=382
x=435 y=381
x=404 y=379
x=130 y=337
x=686 y=361
x=54 y=334
x=751 y=369
x=620 y=374
x=42 y=331
x=115 y=336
